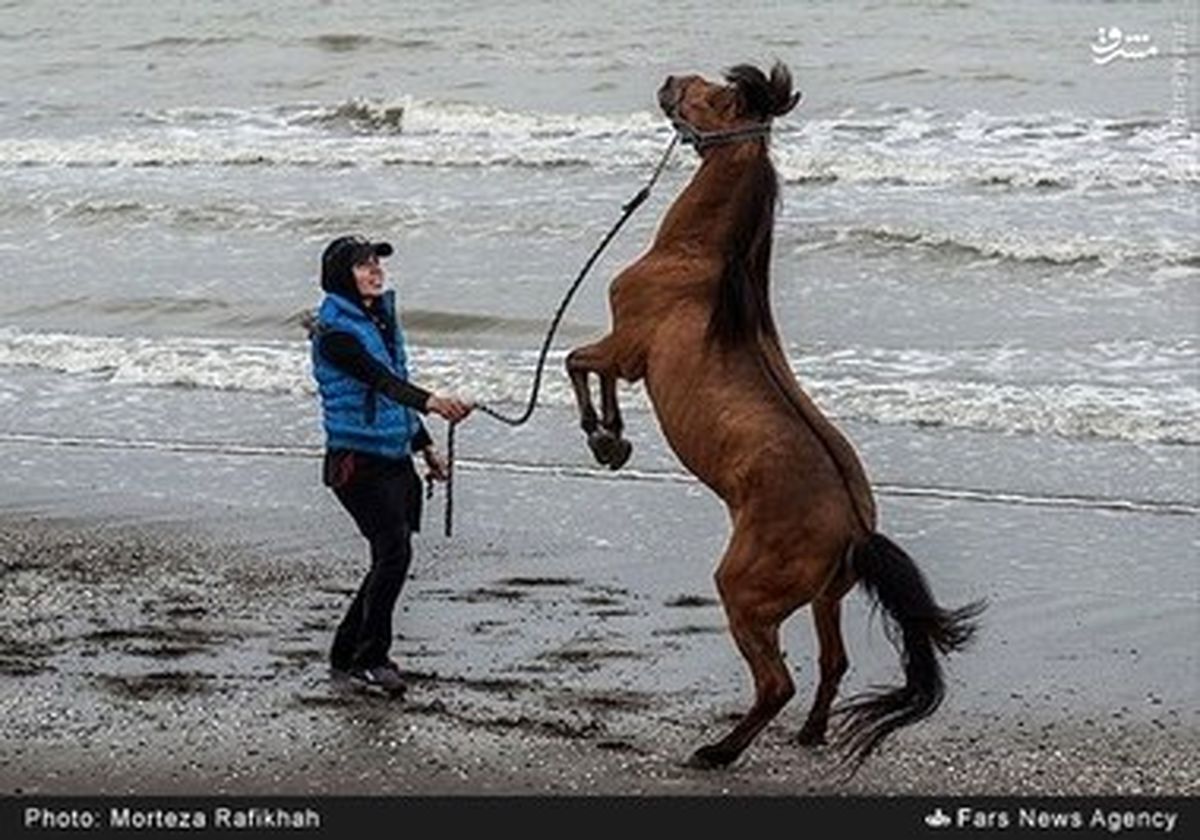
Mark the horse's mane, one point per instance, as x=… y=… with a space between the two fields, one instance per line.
x=742 y=310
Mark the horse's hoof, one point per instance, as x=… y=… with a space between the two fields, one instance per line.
x=621 y=451
x=600 y=442
x=810 y=737
x=710 y=757
x=609 y=450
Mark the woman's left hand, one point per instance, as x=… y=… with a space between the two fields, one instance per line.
x=439 y=470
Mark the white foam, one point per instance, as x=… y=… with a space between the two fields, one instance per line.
x=1144 y=415
x=920 y=147
x=1025 y=244
x=357 y=133
x=906 y=146
x=1139 y=391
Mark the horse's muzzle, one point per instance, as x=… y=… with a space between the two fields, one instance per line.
x=668 y=96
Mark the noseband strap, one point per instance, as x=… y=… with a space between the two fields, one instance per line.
x=703 y=139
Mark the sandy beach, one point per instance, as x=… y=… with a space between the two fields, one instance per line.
x=168 y=635
x=984 y=270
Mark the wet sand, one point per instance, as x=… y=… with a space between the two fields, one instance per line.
x=566 y=640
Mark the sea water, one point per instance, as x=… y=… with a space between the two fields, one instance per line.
x=988 y=224
x=985 y=270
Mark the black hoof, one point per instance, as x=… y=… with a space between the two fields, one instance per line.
x=810 y=737
x=600 y=442
x=622 y=449
x=710 y=758
x=609 y=450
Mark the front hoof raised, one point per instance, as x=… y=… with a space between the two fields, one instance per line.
x=621 y=451
x=607 y=448
x=601 y=444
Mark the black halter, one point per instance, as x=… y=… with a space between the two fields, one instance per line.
x=703 y=139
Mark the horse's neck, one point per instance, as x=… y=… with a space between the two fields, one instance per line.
x=700 y=211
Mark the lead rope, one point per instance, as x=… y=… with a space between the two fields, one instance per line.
x=628 y=210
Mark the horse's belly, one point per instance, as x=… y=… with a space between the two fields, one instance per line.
x=742 y=439
x=703 y=423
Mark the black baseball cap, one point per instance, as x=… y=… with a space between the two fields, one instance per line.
x=340 y=257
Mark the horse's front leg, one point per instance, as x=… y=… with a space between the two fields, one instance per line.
x=611 y=421
x=604 y=438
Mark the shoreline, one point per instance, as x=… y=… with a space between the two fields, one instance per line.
x=187 y=690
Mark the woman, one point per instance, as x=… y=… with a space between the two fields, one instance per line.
x=370 y=412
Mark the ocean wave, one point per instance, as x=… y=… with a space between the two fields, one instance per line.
x=303 y=218
x=909 y=73
x=149 y=306
x=299 y=217
x=1025 y=243
x=418 y=117
x=175 y=42
x=362 y=146
x=1075 y=410
x=259 y=366
x=1019 y=245
x=1140 y=391
x=903 y=147
x=361 y=115
x=918 y=147
x=342 y=42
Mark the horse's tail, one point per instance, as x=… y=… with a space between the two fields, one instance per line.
x=919 y=629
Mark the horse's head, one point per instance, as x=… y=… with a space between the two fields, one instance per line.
x=750 y=98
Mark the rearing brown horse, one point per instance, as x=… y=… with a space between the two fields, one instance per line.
x=692 y=317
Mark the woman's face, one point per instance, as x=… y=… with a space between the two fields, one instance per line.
x=368 y=278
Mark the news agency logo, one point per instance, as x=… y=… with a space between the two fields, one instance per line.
x=1086 y=816
x=969 y=818
x=938 y=819
x=1112 y=44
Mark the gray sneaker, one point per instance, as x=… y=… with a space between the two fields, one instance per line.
x=382 y=679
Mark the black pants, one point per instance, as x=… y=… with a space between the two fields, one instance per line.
x=384 y=497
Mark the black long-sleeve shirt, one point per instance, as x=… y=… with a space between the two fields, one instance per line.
x=346 y=353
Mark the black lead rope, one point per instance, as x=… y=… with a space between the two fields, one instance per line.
x=691 y=136
x=632 y=205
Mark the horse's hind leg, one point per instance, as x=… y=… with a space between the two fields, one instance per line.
x=827 y=616
x=756 y=630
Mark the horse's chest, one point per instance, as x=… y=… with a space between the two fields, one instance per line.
x=629 y=301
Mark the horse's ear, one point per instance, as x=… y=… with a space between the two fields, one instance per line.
x=782 y=96
x=793 y=100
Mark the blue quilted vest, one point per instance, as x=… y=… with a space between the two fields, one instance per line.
x=355 y=416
